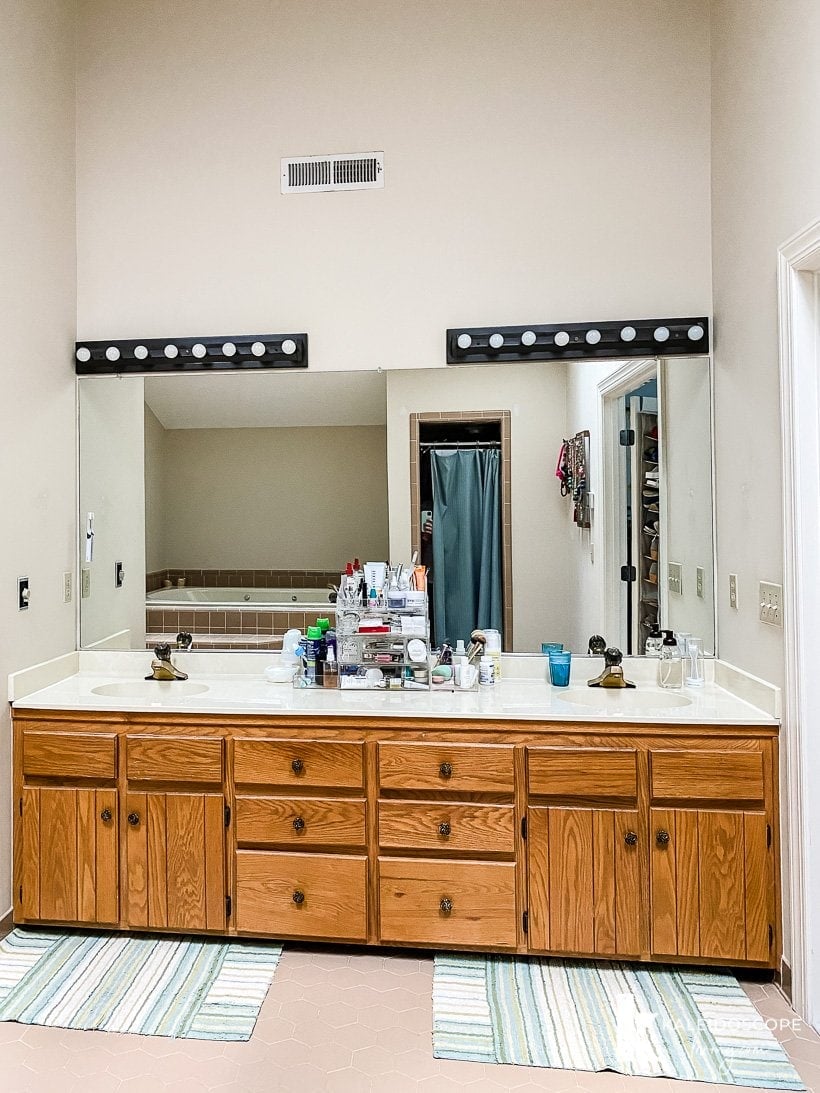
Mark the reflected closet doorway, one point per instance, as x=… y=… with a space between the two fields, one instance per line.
x=460 y=462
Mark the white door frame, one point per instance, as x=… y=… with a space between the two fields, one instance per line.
x=799 y=303
x=613 y=499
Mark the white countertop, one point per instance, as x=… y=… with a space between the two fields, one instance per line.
x=235 y=685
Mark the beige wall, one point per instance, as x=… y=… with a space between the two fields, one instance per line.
x=37 y=285
x=307 y=498
x=112 y=486
x=535 y=395
x=545 y=160
x=156 y=476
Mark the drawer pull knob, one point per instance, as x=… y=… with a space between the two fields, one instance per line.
x=297 y=766
x=298 y=897
x=446 y=906
x=133 y=818
x=106 y=816
x=630 y=838
x=445 y=770
x=298 y=824
x=444 y=829
x=662 y=838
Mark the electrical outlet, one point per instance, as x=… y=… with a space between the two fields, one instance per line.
x=699 y=575
x=674 y=577
x=733 y=590
x=22 y=594
x=119 y=575
x=771 y=603
x=67 y=587
x=85 y=583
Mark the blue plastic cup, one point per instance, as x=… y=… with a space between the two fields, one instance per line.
x=550 y=647
x=560 y=664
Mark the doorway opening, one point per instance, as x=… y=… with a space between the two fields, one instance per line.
x=461 y=520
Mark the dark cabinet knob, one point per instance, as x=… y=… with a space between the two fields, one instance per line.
x=445 y=906
x=297 y=766
x=133 y=818
x=298 y=824
x=298 y=897
x=662 y=838
x=445 y=770
x=106 y=816
x=630 y=838
x=444 y=829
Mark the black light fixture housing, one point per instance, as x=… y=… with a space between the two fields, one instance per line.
x=579 y=341
x=228 y=353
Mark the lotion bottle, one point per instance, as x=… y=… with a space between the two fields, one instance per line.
x=670 y=666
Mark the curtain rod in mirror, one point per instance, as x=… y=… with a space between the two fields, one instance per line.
x=226 y=353
x=579 y=341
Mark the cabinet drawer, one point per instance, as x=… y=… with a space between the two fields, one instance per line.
x=706 y=775
x=472 y=768
x=582 y=772
x=299 y=763
x=300 y=821
x=489 y=829
x=173 y=759
x=301 y=895
x=69 y=754
x=447 y=903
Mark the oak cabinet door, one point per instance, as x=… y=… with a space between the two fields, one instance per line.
x=70 y=855
x=176 y=860
x=711 y=884
x=584 y=881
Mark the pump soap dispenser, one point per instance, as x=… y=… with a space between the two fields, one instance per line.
x=670 y=666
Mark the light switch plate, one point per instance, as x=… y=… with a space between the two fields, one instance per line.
x=674 y=577
x=67 y=587
x=23 y=592
x=733 y=590
x=771 y=603
x=85 y=586
x=699 y=575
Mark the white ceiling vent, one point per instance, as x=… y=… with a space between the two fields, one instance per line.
x=312 y=174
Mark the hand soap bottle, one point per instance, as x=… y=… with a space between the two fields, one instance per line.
x=670 y=666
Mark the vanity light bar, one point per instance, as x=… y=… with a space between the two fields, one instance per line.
x=579 y=341
x=229 y=353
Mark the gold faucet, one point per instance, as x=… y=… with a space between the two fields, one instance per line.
x=162 y=667
x=613 y=673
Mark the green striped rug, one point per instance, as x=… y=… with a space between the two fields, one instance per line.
x=202 y=989
x=591 y=1015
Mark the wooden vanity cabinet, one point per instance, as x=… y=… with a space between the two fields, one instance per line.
x=630 y=841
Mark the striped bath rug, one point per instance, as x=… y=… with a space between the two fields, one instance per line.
x=196 y=988
x=592 y=1015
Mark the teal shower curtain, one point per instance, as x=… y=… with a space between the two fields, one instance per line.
x=466 y=542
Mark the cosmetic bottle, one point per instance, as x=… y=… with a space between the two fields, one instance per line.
x=330 y=676
x=654 y=642
x=486 y=672
x=670 y=666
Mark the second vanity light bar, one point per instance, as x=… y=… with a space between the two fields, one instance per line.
x=228 y=353
x=577 y=341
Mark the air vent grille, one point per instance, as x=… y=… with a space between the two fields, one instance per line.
x=314 y=174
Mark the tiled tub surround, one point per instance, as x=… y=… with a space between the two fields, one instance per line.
x=244 y=578
x=236 y=625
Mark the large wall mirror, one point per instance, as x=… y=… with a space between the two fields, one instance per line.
x=229 y=503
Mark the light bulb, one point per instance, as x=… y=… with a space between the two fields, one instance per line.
x=171 y=351
x=228 y=349
x=112 y=353
x=593 y=337
x=289 y=346
x=561 y=338
x=83 y=354
x=258 y=349
x=661 y=334
x=528 y=337
x=199 y=350
x=496 y=341
x=628 y=334
x=695 y=333
x=140 y=352
x=464 y=341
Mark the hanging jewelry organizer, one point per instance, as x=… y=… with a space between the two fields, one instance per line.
x=574 y=481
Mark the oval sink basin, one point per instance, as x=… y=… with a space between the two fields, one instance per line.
x=151 y=689
x=614 y=699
